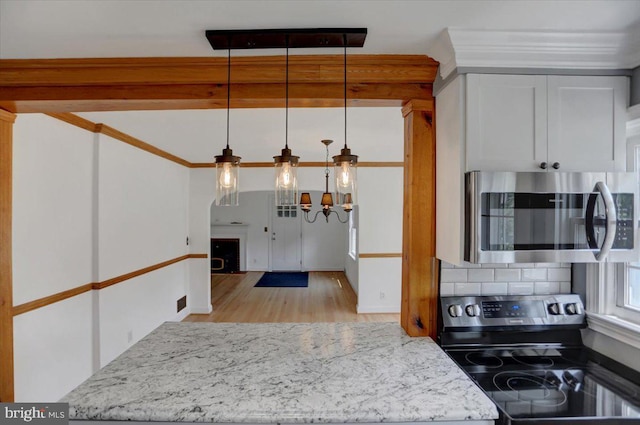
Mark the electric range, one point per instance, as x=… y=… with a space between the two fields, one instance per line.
x=526 y=354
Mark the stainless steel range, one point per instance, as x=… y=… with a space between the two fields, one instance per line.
x=526 y=353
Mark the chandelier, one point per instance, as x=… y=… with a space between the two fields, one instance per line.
x=327 y=198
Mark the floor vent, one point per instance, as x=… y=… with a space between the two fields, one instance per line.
x=182 y=303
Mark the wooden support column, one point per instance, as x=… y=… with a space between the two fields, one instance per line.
x=419 y=266
x=6 y=290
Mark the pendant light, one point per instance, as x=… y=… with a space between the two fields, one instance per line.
x=227 y=165
x=286 y=165
x=346 y=164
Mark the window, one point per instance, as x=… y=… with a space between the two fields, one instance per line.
x=287 y=211
x=625 y=302
x=613 y=289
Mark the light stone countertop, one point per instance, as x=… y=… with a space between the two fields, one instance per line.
x=280 y=373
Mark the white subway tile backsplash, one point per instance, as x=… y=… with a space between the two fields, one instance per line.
x=507 y=275
x=522 y=265
x=447 y=289
x=470 y=288
x=505 y=279
x=494 y=266
x=547 y=265
x=520 y=288
x=480 y=275
x=494 y=288
x=560 y=274
x=453 y=275
x=534 y=274
x=543 y=288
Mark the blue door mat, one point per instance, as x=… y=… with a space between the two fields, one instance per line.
x=283 y=280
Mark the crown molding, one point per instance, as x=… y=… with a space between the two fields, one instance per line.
x=457 y=47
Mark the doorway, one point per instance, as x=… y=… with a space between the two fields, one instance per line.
x=286 y=237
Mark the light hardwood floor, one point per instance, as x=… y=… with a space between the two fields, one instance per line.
x=329 y=298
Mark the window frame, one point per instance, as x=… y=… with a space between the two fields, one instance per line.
x=607 y=306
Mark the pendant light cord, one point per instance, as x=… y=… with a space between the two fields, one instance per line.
x=345 y=90
x=228 y=91
x=286 y=97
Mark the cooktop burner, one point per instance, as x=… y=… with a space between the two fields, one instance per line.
x=534 y=367
x=550 y=384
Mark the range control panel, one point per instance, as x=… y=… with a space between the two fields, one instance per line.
x=508 y=310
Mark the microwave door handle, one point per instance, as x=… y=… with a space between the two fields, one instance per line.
x=611 y=220
x=589 y=226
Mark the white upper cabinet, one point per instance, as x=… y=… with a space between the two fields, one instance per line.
x=506 y=122
x=545 y=123
x=587 y=122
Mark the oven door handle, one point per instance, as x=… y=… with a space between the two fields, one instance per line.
x=611 y=221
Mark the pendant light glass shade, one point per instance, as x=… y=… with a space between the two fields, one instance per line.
x=227 y=172
x=346 y=177
x=227 y=164
x=286 y=178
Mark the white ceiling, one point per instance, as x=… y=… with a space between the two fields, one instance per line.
x=136 y=28
x=113 y=28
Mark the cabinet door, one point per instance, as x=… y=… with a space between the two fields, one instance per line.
x=587 y=122
x=506 y=122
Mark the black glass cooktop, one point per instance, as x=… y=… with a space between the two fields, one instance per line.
x=552 y=386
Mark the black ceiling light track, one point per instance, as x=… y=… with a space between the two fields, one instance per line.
x=283 y=38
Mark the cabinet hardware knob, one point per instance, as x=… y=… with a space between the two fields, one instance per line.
x=543 y=165
x=556 y=165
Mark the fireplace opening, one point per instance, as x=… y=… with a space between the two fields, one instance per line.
x=225 y=255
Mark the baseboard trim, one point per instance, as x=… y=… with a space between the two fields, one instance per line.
x=201 y=310
x=180 y=316
x=376 y=309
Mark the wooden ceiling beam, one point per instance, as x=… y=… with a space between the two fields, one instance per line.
x=248 y=69
x=204 y=96
x=75 y=85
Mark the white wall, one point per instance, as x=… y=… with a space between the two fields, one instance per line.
x=142 y=221
x=87 y=208
x=52 y=252
x=201 y=194
x=379 y=280
x=143 y=216
x=323 y=244
x=52 y=207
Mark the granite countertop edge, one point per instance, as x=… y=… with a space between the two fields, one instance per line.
x=280 y=373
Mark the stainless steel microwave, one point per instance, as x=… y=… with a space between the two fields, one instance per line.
x=522 y=217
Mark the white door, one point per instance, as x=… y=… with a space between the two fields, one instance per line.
x=286 y=238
